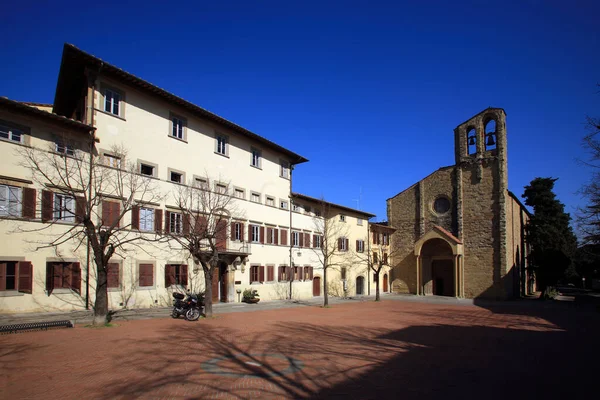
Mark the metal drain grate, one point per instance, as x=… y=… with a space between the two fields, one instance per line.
x=34 y=326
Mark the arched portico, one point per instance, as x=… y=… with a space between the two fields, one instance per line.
x=439 y=264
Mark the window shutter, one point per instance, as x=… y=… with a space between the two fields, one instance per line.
x=311 y=273
x=76 y=277
x=79 y=209
x=262 y=274
x=357 y=245
x=290 y=273
x=3 y=276
x=184 y=275
x=269 y=235
x=135 y=217
x=307 y=240
x=301 y=239
x=347 y=244
x=146 y=273
x=186 y=222
x=49 y=277
x=279 y=273
x=116 y=214
x=314 y=243
x=200 y=226
x=112 y=275
x=283 y=237
x=106 y=211
x=242 y=233
x=28 y=209
x=221 y=234
x=169 y=275
x=47 y=206
x=306 y=273
x=262 y=234
x=167 y=221
x=300 y=273
x=232 y=235
x=276 y=235
x=340 y=244
x=270 y=273
x=158 y=215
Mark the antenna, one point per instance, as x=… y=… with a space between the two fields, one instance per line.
x=359 y=198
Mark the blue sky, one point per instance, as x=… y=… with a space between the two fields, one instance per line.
x=369 y=92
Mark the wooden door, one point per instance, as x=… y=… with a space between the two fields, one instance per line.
x=385 y=283
x=223 y=283
x=316 y=286
x=360 y=285
x=215 y=285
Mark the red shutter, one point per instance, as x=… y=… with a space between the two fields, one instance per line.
x=3 y=276
x=314 y=243
x=76 y=277
x=262 y=234
x=201 y=225
x=301 y=239
x=221 y=234
x=135 y=217
x=167 y=221
x=347 y=244
x=186 y=223
x=47 y=206
x=262 y=274
x=146 y=277
x=232 y=235
x=307 y=239
x=28 y=209
x=276 y=235
x=284 y=237
x=49 y=277
x=158 y=215
x=184 y=275
x=270 y=273
x=269 y=235
x=106 y=211
x=112 y=275
x=79 y=209
x=169 y=275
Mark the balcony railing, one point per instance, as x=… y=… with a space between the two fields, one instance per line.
x=235 y=246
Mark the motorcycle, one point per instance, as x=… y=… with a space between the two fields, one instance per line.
x=187 y=305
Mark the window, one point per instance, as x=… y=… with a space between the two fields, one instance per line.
x=342 y=218
x=295 y=239
x=10 y=201
x=176 y=177
x=239 y=193
x=63 y=275
x=237 y=232
x=308 y=273
x=385 y=258
x=16 y=275
x=175 y=223
x=201 y=183
x=146 y=169
x=63 y=147
x=284 y=273
x=146 y=219
x=222 y=147
x=270 y=273
x=295 y=207
x=441 y=205
x=385 y=239
x=176 y=274
x=283 y=204
x=12 y=134
x=255 y=233
x=317 y=213
x=272 y=235
x=360 y=246
x=298 y=273
x=146 y=275
x=255 y=197
x=113 y=278
x=112 y=161
x=255 y=273
x=359 y=221
x=111 y=213
x=271 y=201
x=343 y=273
x=285 y=169
x=177 y=127
x=220 y=188
x=307 y=209
x=317 y=241
x=64 y=208
x=256 y=158
x=112 y=101
x=343 y=244
x=374 y=258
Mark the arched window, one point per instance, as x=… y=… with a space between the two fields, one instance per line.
x=490 y=135
x=472 y=141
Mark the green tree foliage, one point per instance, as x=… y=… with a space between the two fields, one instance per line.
x=549 y=232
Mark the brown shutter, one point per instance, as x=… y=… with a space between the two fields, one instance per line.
x=356 y=245
x=311 y=273
x=221 y=234
x=135 y=217
x=279 y=273
x=242 y=232
x=269 y=235
x=167 y=221
x=76 y=277
x=347 y=244
x=79 y=209
x=232 y=235
x=314 y=243
x=146 y=273
x=106 y=211
x=112 y=275
x=3 y=276
x=301 y=239
x=276 y=235
x=300 y=273
x=47 y=206
x=261 y=274
x=158 y=215
x=200 y=225
x=307 y=240
x=262 y=234
x=284 y=237
x=186 y=223
x=306 y=273
x=290 y=273
x=340 y=244
x=250 y=276
x=28 y=210
x=116 y=214
x=184 y=275
x=270 y=273
x=169 y=275
x=49 y=277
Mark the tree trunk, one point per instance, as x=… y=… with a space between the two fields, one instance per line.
x=101 y=302
x=325 y=296
x=377 y=297
x=208 y=277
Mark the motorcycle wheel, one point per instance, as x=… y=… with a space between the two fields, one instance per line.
x=192 y=314
x=175 y=314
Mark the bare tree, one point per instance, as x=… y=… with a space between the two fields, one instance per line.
x=199 y=226
x=588 y=216
x=378 y=258
x=333 y=251
x=94 y=194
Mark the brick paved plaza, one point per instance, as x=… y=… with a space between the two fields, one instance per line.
x=394 y=349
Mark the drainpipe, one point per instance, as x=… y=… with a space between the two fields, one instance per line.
x=368 y=260
x=291 y=277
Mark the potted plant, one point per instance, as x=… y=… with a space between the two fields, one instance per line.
x=250 y=296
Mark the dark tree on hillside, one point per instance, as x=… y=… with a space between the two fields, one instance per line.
x=549 y=232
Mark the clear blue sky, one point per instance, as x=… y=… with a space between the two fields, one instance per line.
x=369 y=92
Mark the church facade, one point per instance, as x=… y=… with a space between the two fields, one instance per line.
x=460 y=231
